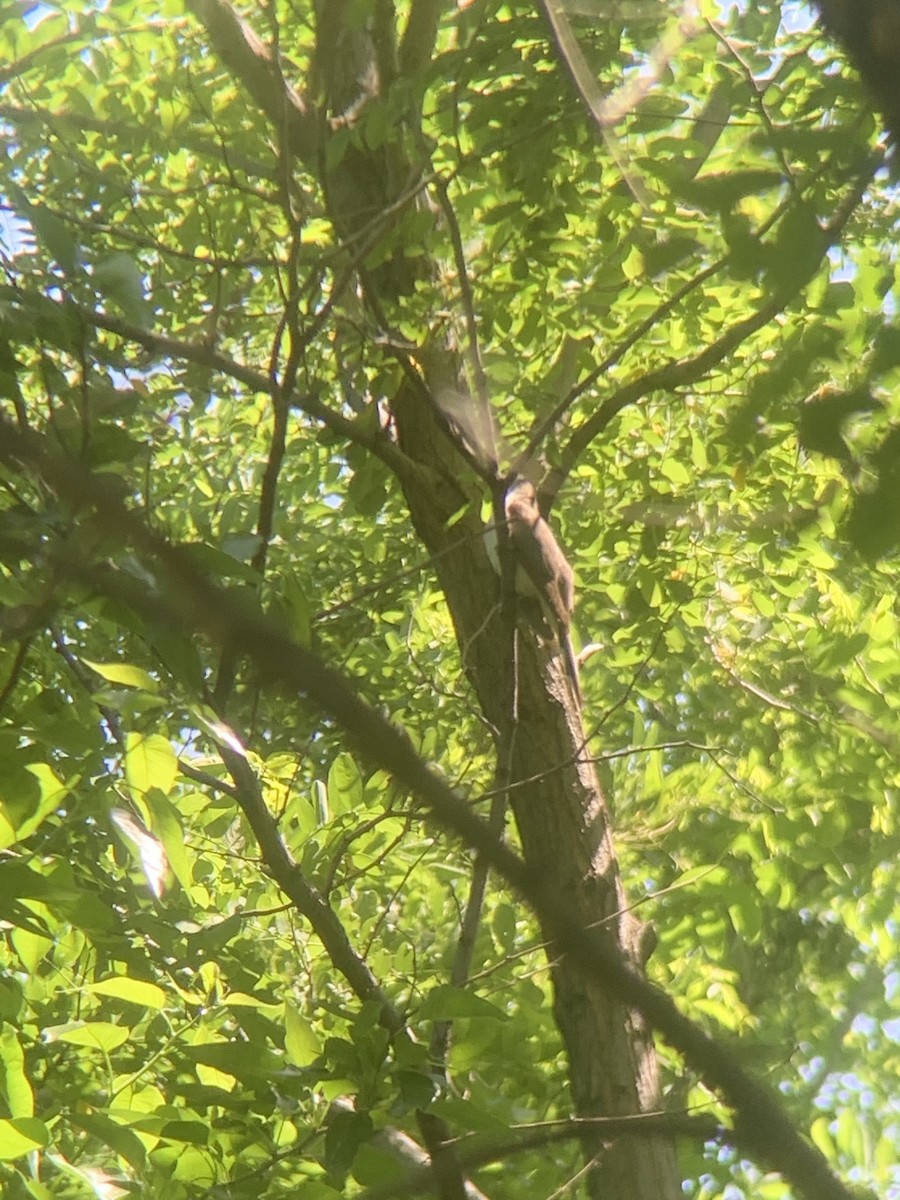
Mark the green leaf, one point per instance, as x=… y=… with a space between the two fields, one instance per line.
x=236 y=1058
x=135 y=991
x=150 y=762
x=821 y=1137
x=300 y=1039
x=126 y=674
x=244 y=1000
x=51 y=230
x=192 y=1132
x=346 y=1132
x=95 y=1035
x=445 y=1003
x=345 y=785
x=119 y=278
x=146 y=848
x=746 y=914
x=119 y=1138
x=799 y=249
x=675 y=471
x=22 y=1136
x=20 y=817
x=16 y=1088
x=166 y=825
x=299 y=610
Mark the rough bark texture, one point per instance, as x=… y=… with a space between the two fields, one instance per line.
x=562 y=819
x=561 y=814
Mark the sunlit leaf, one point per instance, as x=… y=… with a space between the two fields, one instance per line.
x=300 y=1039
x=94 y=1035
x=135 y=991
x=150 y=762
x=20 y=1136
x=16 y=1087
x=125 y=673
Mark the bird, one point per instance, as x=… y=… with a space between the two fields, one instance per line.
x=547 y=574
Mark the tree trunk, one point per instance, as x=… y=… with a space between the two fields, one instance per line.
x=560 y=812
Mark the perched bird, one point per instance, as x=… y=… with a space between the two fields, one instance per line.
x=547 y=574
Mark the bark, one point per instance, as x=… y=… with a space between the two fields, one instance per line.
x=185 y=600
x=561 y=814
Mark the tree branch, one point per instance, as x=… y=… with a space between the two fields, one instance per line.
x=546 y=424
x=417 y=43
x=251 y=61
x=203 y=355
x=682 y=372
x=477 y=1150
x=305 y=898
x=188 y=601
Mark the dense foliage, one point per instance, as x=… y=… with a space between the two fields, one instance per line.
x=707 y=292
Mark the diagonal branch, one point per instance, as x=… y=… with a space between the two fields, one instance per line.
x=251 y=61
x=17 y=68
x=165 y=346
x=683 y=372
x=548 y=423
x=675 y=374
x=188 y=601
x=305 y=898
x=542 y=427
